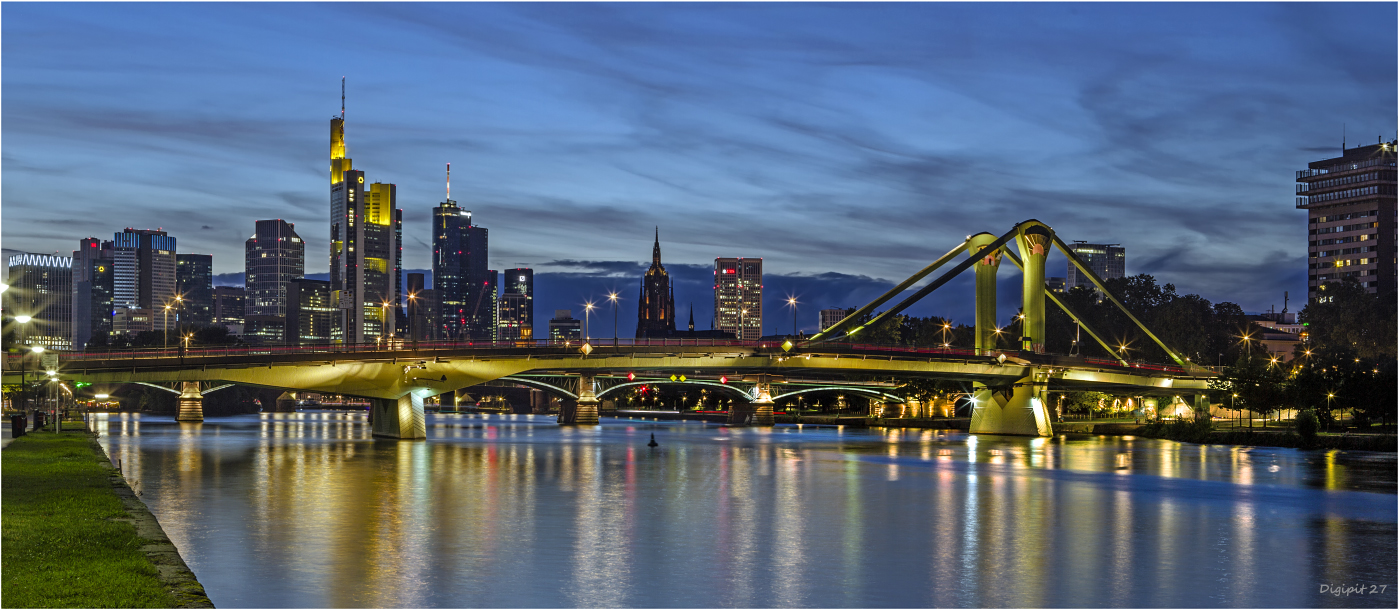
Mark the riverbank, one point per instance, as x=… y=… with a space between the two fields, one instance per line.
x=1190 y=433
x=75 y=535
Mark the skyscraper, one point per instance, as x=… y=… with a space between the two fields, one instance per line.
x=41 y=287
x=144 y=279
x=656 y=307
x=229 y=307
x=829 y=317
x=465 y=303
x=739 y=297
x=518 y=305
x=1351 y=217
x=419 y=322
x=273 y=256
x=1105 y=260
x=92 y=291
x=364 y=249
x=194 y=280
x=310 y=314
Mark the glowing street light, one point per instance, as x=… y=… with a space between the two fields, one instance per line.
x=612 y=296
x=587 y=310
x=792 y=302
x=23 y=319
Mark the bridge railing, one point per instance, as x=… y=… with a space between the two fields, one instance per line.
x=602 y=347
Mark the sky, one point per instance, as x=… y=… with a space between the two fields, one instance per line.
x=848 y=145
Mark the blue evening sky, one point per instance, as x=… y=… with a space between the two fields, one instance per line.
x=846 y=144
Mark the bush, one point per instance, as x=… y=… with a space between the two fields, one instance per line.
x=1307 y=426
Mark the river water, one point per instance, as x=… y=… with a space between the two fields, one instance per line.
x=307 y=510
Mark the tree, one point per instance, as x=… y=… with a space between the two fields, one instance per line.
x=1254 y=384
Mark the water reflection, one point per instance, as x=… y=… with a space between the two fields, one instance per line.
x=307 y=510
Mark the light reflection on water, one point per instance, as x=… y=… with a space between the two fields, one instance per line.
x=307 y=510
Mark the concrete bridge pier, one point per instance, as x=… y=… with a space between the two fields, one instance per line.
x=191 y=403
x=1018 y=409
x=401 y=419
x=756 y=412
x=585 y=411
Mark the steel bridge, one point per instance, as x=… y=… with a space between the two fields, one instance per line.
x=1009 y=386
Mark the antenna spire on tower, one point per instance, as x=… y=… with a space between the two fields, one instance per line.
x=342 y=98
x=449 y=182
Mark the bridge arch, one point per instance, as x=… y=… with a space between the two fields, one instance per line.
x=535 y=383
x=739 y=391
x=864 y=391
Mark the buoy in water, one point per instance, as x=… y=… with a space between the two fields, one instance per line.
x=653 y=442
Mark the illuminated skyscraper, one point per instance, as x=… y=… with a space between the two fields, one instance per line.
x=739 y=297
x=364 y=249
x=194 y=280
x=92 y=291
x=466 y=299
x=656 y=307
x=145 y=279
x=273 y=256
x=41 y=286
x=518 y=306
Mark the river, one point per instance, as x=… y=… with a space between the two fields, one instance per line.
x=308 y=510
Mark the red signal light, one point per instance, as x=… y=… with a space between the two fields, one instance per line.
x=723 y=379
x=631 y=376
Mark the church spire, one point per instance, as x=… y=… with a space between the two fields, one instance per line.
x=656 y=248
x=692 y=317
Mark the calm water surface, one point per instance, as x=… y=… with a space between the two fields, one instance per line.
x=307 y=510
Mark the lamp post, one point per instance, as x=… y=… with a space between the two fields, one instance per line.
x=1021 y=329
x=165 y=325
x=792 y=302
x=1232 y=408
x=1329 y=405
x=37 y=349
x=612 y=296
x=742 y=311
x=587 y=311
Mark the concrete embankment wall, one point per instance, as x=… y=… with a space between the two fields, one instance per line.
x=174 y=574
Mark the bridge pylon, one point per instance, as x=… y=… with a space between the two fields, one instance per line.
x=1015 y=409
x=585 y=411
x=985 y=301
x=758 y=411
x=191 y=403
x=400 y=418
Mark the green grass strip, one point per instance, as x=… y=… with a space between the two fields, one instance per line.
x=59 y=546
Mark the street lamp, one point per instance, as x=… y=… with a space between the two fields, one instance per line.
x=1237 y=411
x=612 y=296
x=1021 y=318
x=792 y=302
x=23 y=319
x=741 y=323
x=587 y=310
x=37 y=349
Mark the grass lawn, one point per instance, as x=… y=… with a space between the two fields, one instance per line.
x=59 y=547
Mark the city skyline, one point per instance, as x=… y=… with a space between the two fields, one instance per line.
x=818 y=150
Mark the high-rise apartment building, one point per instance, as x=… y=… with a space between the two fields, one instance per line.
x=656 y=305
x=829 y=317
x=364 y=248
x=92 y=291
x=466 y=298
x=739 y=297
x=194 y=279
x=1351 y=217
x=518 y=306
x=1105 y=260
x=41 y=287
x=272 y=257
x=229 y=306
x=310 y=313
x=144 y=280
